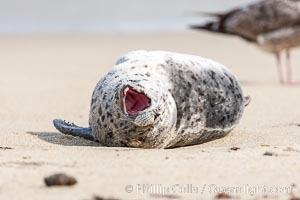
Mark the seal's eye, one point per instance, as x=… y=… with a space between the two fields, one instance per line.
x=135 y=101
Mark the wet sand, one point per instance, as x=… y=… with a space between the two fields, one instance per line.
x=43 y=77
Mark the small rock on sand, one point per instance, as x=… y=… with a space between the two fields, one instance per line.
x=223 y=196
x=291 y=149
x=60 y=180
x=6 y=148
x=268 y=153
x=234 y=148
x=165 y=196
x=102 y=198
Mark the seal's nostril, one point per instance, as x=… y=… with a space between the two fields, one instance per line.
x=135 y=101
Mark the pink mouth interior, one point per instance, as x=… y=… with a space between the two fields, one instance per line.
x=135 y=101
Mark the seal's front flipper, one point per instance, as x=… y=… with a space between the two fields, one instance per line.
x=247 y=100
x=71 y=129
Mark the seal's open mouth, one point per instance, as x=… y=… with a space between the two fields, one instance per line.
x=135 y=101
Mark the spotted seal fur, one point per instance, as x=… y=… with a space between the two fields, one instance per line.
x=157 y=99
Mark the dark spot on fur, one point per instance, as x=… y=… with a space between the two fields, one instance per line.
x=108 y=115
x=123 y=144
x=118 y=85
x=189 y=84
x=104 y=96
x=222 y=119
x=142 y=139
x=100 y=111
x=110 y=134
x=125 y=127
x=133 y=81
x=99 y=88
x=93 y=101
x=138 y=74
x=194 y=77
x=186 y=109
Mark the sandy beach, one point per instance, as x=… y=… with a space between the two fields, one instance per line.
x=43 y=77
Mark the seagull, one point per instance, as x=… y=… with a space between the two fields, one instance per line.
x=274 y=25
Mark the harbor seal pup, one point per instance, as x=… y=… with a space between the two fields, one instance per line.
x=157 y=99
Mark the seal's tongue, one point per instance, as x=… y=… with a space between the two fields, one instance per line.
x=135 y=101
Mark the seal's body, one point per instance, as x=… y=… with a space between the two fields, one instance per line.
x=161 y=100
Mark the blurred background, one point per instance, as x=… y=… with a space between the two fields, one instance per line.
x=102 y=16
x=53 y=53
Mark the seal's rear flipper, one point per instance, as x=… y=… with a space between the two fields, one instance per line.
x=71 y=129
x=247 y=100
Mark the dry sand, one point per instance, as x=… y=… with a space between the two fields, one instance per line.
x=42 y=78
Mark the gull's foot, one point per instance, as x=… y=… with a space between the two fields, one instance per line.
x=292 y=83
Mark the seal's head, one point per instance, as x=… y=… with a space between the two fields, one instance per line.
x=142 y=112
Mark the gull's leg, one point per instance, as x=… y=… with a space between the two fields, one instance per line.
x=289 y=69
x=279 y=67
